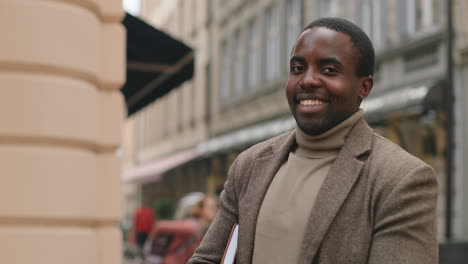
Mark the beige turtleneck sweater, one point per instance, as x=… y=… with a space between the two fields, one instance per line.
x=288 y=203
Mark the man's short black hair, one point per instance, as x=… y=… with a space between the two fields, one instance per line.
x=360 y=39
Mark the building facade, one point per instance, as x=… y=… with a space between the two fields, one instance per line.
x=236 y=98
x=62 y=64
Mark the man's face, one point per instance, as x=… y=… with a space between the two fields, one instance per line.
x=323 y=88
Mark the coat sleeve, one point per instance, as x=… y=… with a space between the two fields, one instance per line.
x=212 y=247
x=405 y=223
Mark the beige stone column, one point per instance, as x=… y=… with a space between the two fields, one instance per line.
x=62 y=63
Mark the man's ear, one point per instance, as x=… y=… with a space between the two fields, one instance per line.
x=365 y=86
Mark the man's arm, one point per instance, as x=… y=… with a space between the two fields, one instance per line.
x=211 y=249
x=405 y=223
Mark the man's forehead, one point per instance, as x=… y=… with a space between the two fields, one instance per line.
x=323 y=37
x=324 y=34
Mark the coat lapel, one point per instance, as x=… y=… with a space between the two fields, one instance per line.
x=335 y=188
x=261 y=175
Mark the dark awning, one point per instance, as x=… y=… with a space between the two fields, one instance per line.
x=156 y=63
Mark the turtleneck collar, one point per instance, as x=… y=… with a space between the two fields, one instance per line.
x=327 y=144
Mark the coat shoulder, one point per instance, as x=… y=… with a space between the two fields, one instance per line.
x=390 y=164
x=265 y=148
x=388 y=154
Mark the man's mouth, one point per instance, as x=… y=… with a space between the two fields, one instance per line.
x=311 y=102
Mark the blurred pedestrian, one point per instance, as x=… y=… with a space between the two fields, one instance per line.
x=143 y=224
x=205 y=211
x=186 y=205
x=330 y=191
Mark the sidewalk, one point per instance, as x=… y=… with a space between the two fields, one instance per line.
x=132 y=261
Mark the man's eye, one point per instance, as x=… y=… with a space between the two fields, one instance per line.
x=329 y=70
x=297 y=68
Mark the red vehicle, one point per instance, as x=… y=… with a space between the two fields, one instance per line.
x=172 y=242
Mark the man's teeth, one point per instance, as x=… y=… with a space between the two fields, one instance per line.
x=311 y=102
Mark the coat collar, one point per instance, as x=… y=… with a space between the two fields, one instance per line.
x=359 y=140
x=335 y=188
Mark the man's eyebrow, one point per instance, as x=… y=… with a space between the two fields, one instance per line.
x=330 y=60
x=297 y=58
x=321 y=60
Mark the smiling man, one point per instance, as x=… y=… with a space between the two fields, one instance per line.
x=329 y=76
x=330 y=191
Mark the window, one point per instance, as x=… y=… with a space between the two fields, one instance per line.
x=253 y=55
x=419 y=15
x=327 y=8
x=209 y=11
x=140 y=129
x=378 y=77
x=271 y=58
x=193 y=13
x=207 y=114
x=238 y=51
x=225 y=79
x=421 y=58
x=371 y=19
x=181 y=16
x=293 y=26
x=178 y=100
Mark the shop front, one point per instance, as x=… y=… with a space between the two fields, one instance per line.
x=415 y=118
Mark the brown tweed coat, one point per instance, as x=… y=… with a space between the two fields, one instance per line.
x=377 y=204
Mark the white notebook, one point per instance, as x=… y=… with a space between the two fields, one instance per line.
x=231 y=247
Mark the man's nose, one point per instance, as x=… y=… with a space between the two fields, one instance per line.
x=311 y=78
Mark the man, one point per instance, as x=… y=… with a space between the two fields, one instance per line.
x=331 y=191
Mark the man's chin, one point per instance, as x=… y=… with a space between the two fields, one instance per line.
x=312 y=128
